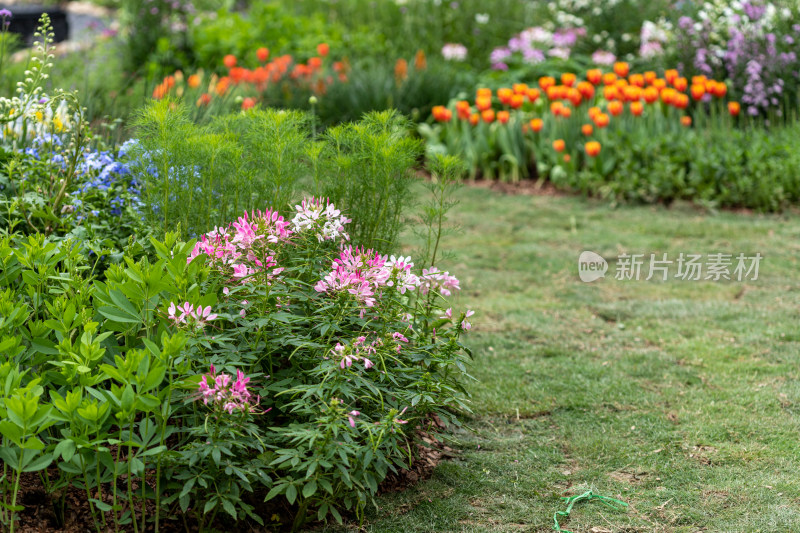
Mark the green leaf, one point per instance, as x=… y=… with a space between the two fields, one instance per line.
x=39 y=464
x=291 y=494
x=229 y=508
x=103 y=506
x=115 y=315
x=65 y=448
x=11 y=431
x=309 y=489
x=274 y=491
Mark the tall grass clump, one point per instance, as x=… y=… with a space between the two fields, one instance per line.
x=199 y=176
x=367 y=168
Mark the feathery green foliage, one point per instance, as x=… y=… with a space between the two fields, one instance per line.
x=201 y=176
x=366 y=168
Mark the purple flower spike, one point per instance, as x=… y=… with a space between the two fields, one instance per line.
x=5 y=13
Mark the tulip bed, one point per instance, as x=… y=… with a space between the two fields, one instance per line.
x=587 y=135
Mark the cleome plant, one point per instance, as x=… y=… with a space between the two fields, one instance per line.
x=270 y=358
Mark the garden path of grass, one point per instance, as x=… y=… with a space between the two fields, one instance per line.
x=681 y=398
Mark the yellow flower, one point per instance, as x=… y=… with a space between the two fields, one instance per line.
x=58 y=124
x=39 y=116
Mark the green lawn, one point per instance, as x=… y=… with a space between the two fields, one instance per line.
x=681 y=398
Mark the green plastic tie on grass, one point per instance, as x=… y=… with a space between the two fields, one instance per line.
x=615 y=504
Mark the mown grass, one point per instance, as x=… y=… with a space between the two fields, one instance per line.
x=681 y=398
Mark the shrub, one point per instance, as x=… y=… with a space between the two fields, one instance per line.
x=201 y=176
x=269 y=359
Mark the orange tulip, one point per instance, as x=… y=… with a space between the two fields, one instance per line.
x=520 y=88
x=488 y=115
x=222 y=85
x=248 y=103
x=546 y=81
x=463 y=109
x=483 y=103
x=686 y=120
x=193 y=81
x=537 y=124
x=559 y=145
x=160 y=91
x=720 y=89
x=592 y=148
x=632 y=93
x=505 y=94
x=659 y=83
x=734 y=108
x=474 y=119
x=442 y=114
x=615 y=108
x=593 y=111
x=586 y=90
x=533 y=95
x=204 y=100
x=503 y=116
x=621 y=69
x=680 y=84
x=516 y=101
x=667 y=94
x=649 y=76
x=568 y=79
x=650 y=95
x=574 y=96
x=323 y=49
x=567 y=158
x=637 y=80
x=229 y=61
x=556 y=107
x=400 y=70
x=566 y=112
x=680 y=100
x=610 y=92
x=587 y=129
x=420 y=62
x=698 y=80
x=484 y=92
x=315 y=63
x=697 y=91
x=594 y=76
x=553 y=93
x=670 y=75
x=609 y=78
x=601 y=120
x=262 y=54
x=637 y=108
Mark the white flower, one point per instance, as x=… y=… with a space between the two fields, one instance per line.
x=454 y=52
x=482 y=18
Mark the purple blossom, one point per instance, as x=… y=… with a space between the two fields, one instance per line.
x=499 y=54
x=754 y=12
x=564 y=38
x=532 y=55
x=5 y=13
